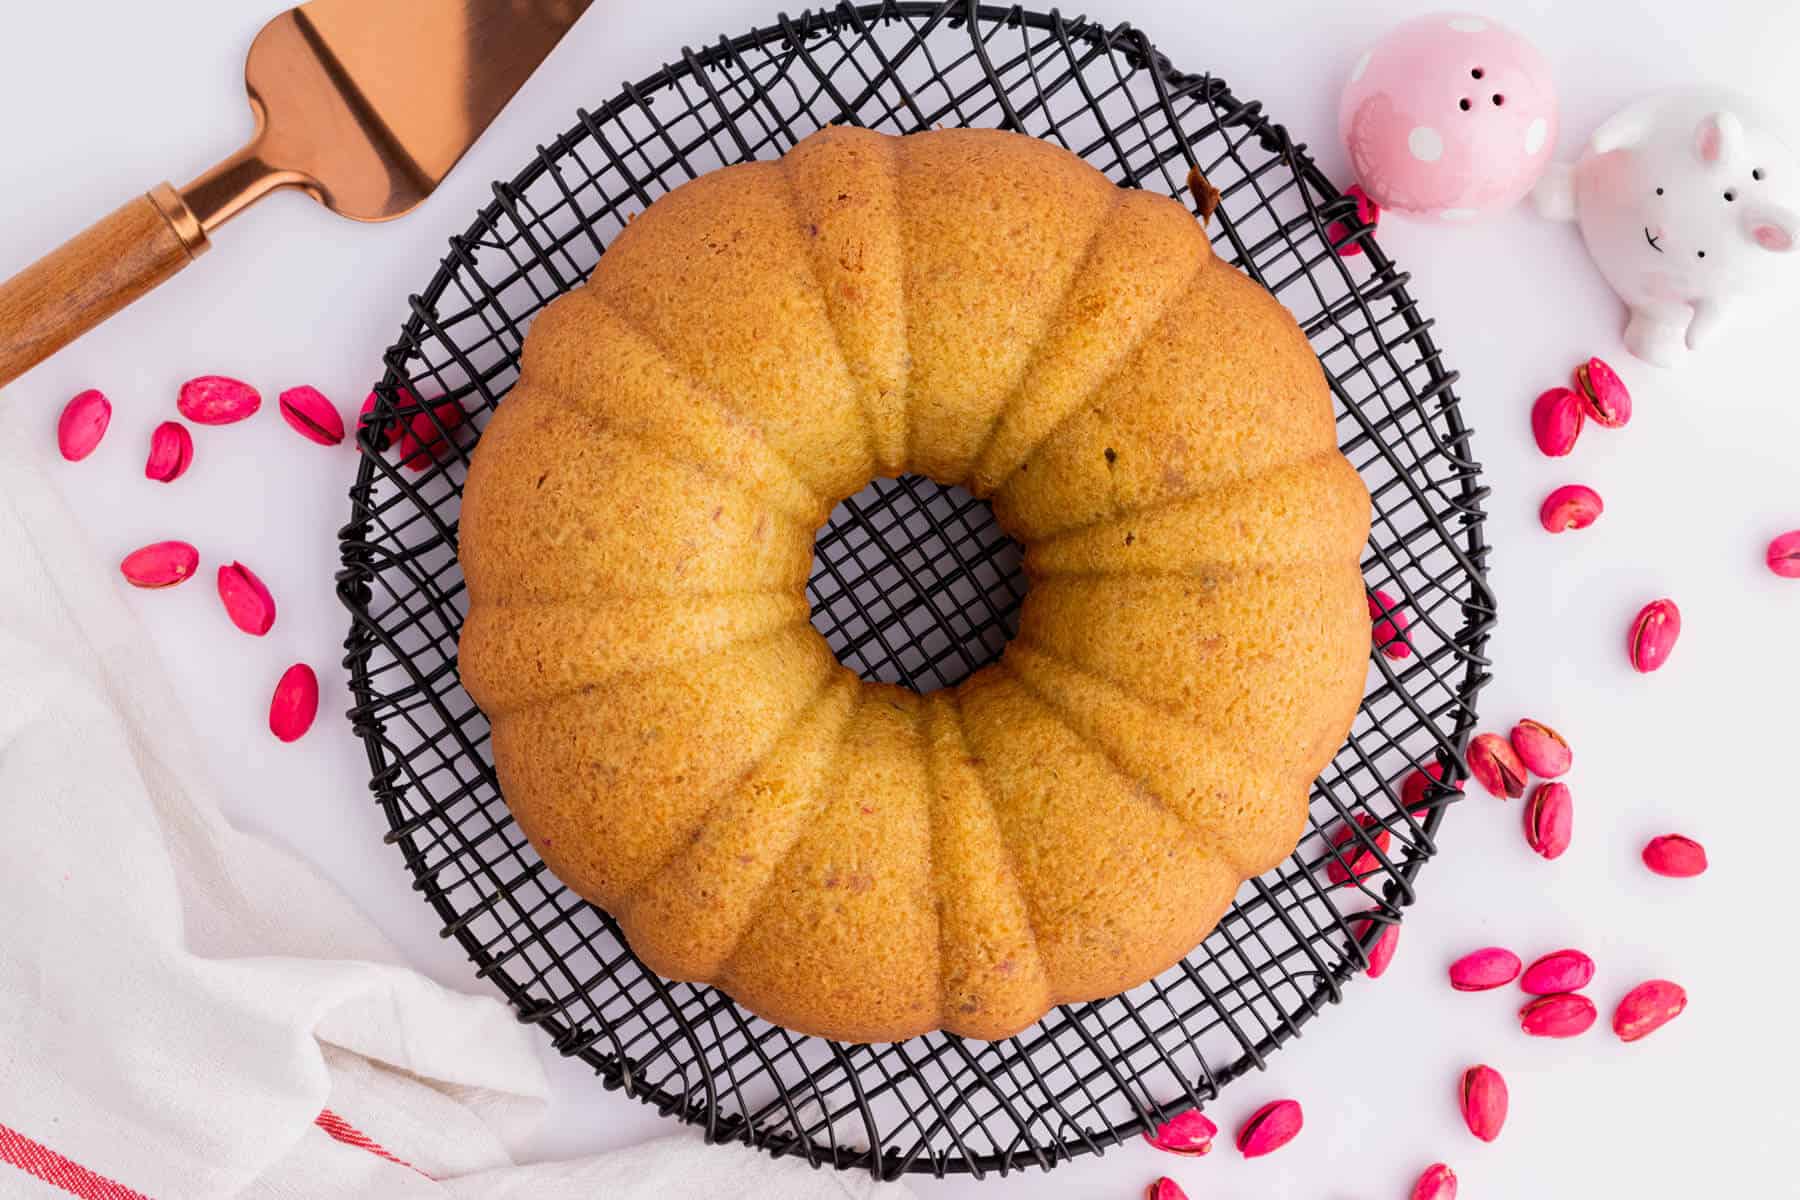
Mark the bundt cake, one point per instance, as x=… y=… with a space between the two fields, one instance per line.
x=853 y=859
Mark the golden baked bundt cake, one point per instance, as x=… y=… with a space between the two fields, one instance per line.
x=852 y=859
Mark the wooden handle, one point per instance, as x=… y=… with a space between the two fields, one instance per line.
x=63 y=295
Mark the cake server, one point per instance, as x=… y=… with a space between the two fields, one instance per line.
x=364 y=105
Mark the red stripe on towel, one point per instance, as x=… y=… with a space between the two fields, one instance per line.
x=343 y=1131
x=36 y=1159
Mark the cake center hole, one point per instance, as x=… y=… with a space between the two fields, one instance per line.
x=915 y=583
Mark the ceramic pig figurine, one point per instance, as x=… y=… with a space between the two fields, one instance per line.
x=1688 y=202
x=1450 y=116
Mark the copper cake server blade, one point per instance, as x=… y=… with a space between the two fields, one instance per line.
x=365 y=105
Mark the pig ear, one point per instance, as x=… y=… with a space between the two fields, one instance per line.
x=1618 y=131
x=1719 y=138
x=1771 y=228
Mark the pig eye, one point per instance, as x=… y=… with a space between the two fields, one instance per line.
x=1477 y=73
x=1464 y=104
x=1757 y=174
x=1701 y=253
x=1499 y=99
x=1730 y=196
x=1659 y=191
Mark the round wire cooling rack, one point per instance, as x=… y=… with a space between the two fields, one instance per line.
x=914 y=583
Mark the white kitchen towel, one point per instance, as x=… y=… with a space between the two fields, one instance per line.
x=187 y=1011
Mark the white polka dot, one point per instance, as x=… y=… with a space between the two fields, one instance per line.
x=1362 y=64
x=1468 y=24
x=1535 y=133
x=1426 y=144
x=1457 y=214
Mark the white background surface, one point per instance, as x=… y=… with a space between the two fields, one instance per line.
x=99 y=101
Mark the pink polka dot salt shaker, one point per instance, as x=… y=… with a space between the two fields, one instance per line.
x=1450 y=117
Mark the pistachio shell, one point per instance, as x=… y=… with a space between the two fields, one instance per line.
x=1653 y=635
x=311 y=415
x=1367 y=211
x=1783 y=555
x=1388 y=622
x=295 y=703
x=1496 y=766
x=1413 y=791
x=247 y=602
x=1357 y=854
x=1571 y=506
x=1604 y=393
x=160 y=565
x=1437 y=1183
x=1556 y=421
x=1561 y=1016
x=1270 y=1128
x=1558 y=971
x=1648 y=1007
x=217 y=400
x=1189 y=1134
x=1484 y=1102
x=1484 y=969
x=171 y=452
x=1675 y=856
x=384 y=437
x=1381 y=954
x=427 y=436
x=1544 y=751
x=1550 y=819
x=82 y=424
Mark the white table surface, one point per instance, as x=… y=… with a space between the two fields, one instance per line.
x=98 y=101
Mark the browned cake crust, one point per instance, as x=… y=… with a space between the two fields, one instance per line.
x=852 y=859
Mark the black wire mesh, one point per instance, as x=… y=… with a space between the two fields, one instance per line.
x=914 y=583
